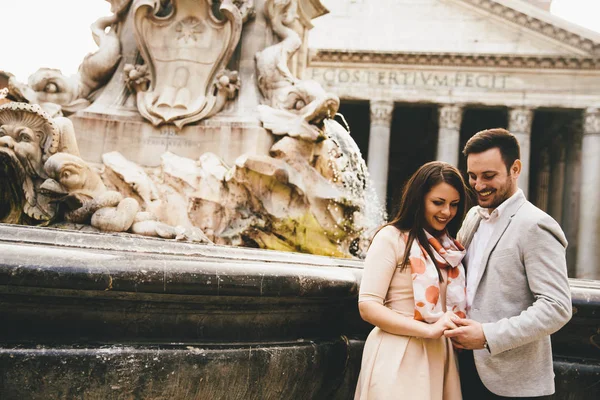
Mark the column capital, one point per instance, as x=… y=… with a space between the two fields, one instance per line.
x=520 y=119
x=591 y=121
x=450 y=116
x=381 y=112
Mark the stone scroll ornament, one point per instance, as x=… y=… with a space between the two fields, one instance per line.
x=59 y=94
x=185 y=47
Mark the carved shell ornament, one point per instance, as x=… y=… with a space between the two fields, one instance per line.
x=186 y=48
x=32 y=115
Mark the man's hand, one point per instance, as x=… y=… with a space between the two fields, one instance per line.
x=468 y=335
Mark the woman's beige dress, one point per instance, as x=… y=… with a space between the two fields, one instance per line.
x=401 y=367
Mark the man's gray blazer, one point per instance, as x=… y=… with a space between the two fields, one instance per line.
x=522 y=296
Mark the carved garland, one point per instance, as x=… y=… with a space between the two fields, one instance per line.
x=537 y=25
x=455 y=60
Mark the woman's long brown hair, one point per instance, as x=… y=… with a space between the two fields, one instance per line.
x=411 y=214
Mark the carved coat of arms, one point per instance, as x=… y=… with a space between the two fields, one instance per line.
x=186 y=46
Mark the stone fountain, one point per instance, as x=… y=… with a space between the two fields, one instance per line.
x=190 y=122
x=138 y=200
x=141 y=199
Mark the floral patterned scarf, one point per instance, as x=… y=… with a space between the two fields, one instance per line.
x=448 y=253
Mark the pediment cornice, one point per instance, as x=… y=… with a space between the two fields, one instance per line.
x=589 y=43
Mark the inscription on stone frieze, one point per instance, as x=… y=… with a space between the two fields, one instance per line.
x=154 y=141
x=341 y=76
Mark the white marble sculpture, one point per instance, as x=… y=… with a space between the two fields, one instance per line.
x=290 y=105
x=304 y=192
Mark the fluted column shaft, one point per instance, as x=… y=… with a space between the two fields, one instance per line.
x=557 y=180
x=448 y=146
x=519 y=124
x=589 y=210
x=379 y=146
x=543 y=181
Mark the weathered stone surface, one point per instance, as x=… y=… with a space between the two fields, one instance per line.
x=117 y=287
x=304 y=369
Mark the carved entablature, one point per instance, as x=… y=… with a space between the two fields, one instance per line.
x=455 y=60
x=186 y=47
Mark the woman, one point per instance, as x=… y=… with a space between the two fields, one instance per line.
x=413 y=284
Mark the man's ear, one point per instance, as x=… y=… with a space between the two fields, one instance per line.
x=515 y=169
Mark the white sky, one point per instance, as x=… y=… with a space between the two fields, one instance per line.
x=56 y=33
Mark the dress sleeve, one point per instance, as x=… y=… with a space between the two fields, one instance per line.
x=385 y=253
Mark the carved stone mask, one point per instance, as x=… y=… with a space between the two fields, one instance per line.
x=27 y=132
x=27 y=138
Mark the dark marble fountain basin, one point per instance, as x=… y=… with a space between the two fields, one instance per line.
x=100 y=316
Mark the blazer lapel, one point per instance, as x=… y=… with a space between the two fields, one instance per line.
x=501 y=226
x=470 y=230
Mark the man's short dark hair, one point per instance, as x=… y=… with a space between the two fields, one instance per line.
x=499 y=138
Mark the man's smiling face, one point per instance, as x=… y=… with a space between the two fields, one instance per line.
x=489 y=177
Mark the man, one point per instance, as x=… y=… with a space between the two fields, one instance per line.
x=517 y=288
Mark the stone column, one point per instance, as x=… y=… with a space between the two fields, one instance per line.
x=571 y=204
x=379 y=146
x=519 y=124
x=589 y=210
x=557 y=179
x=543 y=181
x=448 y=147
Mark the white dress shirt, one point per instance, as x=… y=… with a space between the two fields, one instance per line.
x=473 y=258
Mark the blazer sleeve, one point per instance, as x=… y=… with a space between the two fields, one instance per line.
x=380 y=264
x=543 y=255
